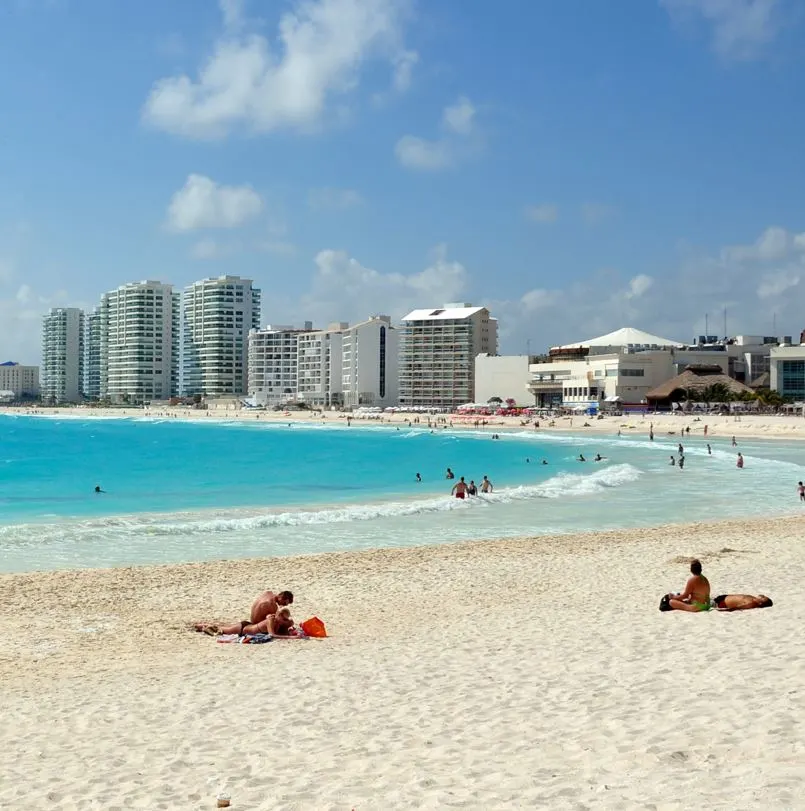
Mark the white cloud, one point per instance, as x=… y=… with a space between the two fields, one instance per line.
x=774 y=243
x=344 y=289
x=639 y=286
x=774 y=284
x=202 y=203
x=538 y=299
x=404 y=66
x=742 y=29
x=542 y=213
x=246 y=83
x=334 y=199
x=594 y=213
x=458 y=122
x=459 y=117
x=209 y=249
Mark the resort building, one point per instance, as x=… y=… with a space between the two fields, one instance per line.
x=273 y=364
x=369 y=363
x=504 y=377
x=217 y=315
x=319 y=380
x=92 y=355
x=437 y=354
x=787 y=371
x=139 y=355
x=19 y=382
x=62 y=371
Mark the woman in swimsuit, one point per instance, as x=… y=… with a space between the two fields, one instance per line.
x=741 y=602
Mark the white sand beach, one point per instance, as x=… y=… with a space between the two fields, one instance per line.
x=757 y=426
x=532 y=673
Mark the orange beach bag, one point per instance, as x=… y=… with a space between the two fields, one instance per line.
x=314 y=627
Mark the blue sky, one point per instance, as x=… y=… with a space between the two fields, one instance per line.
x=577 y=166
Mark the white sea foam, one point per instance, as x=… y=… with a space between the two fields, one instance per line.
x=564 y=485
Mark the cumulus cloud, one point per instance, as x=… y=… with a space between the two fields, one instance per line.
x=458 y=143
x=344 y=289
x=639 y=286
x=248 y=83
x=334 y=199
x=203 y=203
x=741 y=29
x=774 y=284
x=773 y=244
x=542 y=213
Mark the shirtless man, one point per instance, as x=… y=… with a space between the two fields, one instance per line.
x=459 y=488
x=279 y=624
x=696 y=596
x=741 y=602
x=264 y=607
x=486 y=486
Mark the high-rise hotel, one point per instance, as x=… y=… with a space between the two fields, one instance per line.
x=139 y=343
x=217 y=316
x=62 y=372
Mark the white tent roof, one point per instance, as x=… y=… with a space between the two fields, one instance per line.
x=626 y=336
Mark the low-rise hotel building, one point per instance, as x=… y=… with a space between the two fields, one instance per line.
x=369 y=363
x=787 y=371
x=437 y=354
x=273 y=364
x=21 y=381
x=62 y=370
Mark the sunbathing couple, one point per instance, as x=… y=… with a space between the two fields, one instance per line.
x=269 y=615
x=696 y=596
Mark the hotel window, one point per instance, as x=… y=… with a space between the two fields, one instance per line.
x=793 y=374
x=632 y=372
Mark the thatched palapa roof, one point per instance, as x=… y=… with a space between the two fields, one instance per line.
x=696 y=378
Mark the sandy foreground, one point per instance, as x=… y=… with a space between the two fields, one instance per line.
x=531 y=673
x=758 y=426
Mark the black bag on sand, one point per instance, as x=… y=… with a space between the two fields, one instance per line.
x=665 y=603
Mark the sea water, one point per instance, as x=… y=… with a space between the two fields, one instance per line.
x=178 y=490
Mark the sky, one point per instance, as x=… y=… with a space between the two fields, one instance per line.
x=575 y=166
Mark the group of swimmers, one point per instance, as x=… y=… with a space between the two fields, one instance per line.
x=461 y=489
x=696 y=596
x=269 y=615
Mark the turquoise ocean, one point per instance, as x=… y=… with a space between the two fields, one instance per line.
x=194 y=490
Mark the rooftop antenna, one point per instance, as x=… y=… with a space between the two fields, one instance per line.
x=706 y=331
x=725 y=322
x=774 y=324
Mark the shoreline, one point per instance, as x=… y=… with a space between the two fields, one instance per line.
x=745 y=426
x=552 y=645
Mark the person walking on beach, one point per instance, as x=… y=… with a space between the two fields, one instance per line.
x=459 y=488
x=705 y=430
x=734 y=443
x=740 y=463
x=801 y=491
x=486 y=486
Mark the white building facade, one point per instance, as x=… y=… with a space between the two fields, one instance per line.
x=62 y=370
x=92 y=355
x=273 y=377
x=21 y=381
x=787 y=371
x=139 y=355
x=319 y=378
x=437 y=354
x=369 y=364
x=217 y=316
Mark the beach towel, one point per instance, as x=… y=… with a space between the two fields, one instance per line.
x=247 y=639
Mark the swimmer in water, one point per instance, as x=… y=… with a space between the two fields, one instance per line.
x=599 y=458
x=486 y=486
x=544 y=461
x=581 y=458
x=418 y=477
x=450 y=474
x=98 y=489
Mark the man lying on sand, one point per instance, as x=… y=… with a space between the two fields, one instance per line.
x=695 y=597
x=741 y=602
x=265 y=607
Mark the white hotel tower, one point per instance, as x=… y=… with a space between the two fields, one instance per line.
x=273 y=366
x=437 y=354
x=218 y=315
x=62 y=373
x=139 y=326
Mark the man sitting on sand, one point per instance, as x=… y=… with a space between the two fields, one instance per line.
x=695 y=597
x=741 y=602
x=267 y=606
